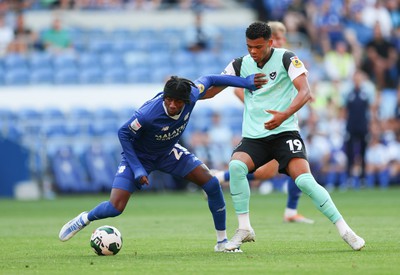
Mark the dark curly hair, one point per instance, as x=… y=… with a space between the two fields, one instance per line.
x=178 y=88
x=257 y=30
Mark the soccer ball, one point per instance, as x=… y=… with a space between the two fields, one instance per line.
x=106 y=240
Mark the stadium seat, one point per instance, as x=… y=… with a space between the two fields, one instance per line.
x=16 y=76
x=88 y=60
x=15 y=61
x=138 y=75
x=41 y=76
x=64 y=61
x=161 y=74
x=233 y=117
x=123 y=46
x=68 y=173
x=201 y=118
x=66 y=76
x=91 y=76
x=100 y=45
x=101 y=167
x=119 y=34
x=183 y=58
x=105 y=113
x=114 y=75
x=135 y=59
x=40 y=60
x=111 y=60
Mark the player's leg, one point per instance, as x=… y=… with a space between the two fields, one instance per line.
x=121 y=190
x=186 y=165
x=298 y=169
x=268 y=171
x=216 y=203
x=239 y=166
x=291 y=214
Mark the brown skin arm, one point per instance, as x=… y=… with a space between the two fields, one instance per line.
x=303 y=96
x=239 y=93
x=213 y=91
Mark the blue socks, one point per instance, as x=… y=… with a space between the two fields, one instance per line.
x=227 y=177
x=294 y=194
x=216 y=203
x=102 y=211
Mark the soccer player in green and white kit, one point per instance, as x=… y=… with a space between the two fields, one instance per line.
x=271 y=131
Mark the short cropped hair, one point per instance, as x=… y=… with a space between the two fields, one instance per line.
x=258 y=30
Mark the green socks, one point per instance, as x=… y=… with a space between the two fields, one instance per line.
x=320 y=197
x=239 y=186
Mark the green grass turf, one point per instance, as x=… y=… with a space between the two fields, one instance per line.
x=173 y=234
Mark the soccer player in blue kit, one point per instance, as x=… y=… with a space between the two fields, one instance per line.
x=150 y=142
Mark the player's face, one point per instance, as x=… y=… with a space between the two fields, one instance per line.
x=279 y=40
x=174 y=106
x=259 y=49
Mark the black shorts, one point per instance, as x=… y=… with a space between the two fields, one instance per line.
x=281 y=147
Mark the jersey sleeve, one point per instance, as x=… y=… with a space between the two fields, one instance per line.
x=293 y=65
x=233 y=67
x=127 y=134
x=205 y=82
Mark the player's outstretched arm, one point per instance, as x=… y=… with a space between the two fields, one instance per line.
x=252 y=82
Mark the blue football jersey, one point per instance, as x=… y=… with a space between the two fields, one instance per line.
x=151 y=133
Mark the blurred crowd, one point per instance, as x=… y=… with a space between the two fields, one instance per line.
x=350 y=47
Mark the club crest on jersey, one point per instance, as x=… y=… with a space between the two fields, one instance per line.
x=201 y=88
x=296 y=62
x=135 y=125
x=165 y=128
x=272 y=75
x=121 y=169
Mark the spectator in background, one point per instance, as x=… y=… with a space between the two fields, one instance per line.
x=359 y=101
x=377 y=161
x=394 y=158
x=56 y=39
x=376 y=13
x=381 y=60
x=329 y=25
x=393 y=7
x=6 y=36
x=356 y=33
x=339 y=63
x=200 y=37
x=25 y=39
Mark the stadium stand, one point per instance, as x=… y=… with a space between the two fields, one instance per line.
x=127 y=55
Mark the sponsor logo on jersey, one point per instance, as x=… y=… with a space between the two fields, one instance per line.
x=173 y=134
x=165 y=128
x=201 y=88
x=272 y=75
x=296 y=62
x=135 y=125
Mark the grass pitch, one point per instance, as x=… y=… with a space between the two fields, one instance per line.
x=172 y=233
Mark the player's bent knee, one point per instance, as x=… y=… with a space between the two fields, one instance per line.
x=306 y=183
x=238 y=169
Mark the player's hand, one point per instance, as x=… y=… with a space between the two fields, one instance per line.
x=144 y=180
x=275 y=121
x=257 y=81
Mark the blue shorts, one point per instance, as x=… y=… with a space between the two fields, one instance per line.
x=179 y=162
